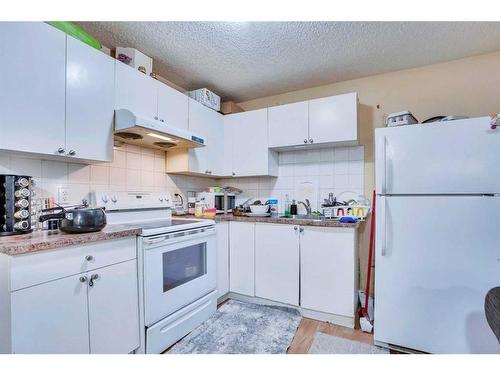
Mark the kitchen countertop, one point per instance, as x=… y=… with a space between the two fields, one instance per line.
x=40 y=240
x=289 y=221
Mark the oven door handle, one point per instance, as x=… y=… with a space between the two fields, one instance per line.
x=177 y=237
x=153 y=241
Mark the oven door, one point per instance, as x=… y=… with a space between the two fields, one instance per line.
x=179 y=268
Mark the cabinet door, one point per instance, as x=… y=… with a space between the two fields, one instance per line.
x=32 y=82
x=114 y=309
x=288 y=124
x=250 y=148
x=208 y=124
x=172 y=106
x=227 y=163
x=222 y=258
x=328 y=270
x=241 y=258
x=277 y=262
x=334 y=119
x=135 y=91
x=51 y=318
x=89 y=102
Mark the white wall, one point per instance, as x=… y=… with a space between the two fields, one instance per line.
x=308 y=174
x=133 y=168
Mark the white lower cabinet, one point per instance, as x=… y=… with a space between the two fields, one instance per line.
x=95 y=311
x=277 y=262
x=242 y=258
x=51 y=318
x=113 y=309
x=222 y=230
x=328 y=270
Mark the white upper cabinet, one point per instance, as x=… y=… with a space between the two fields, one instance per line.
x=172 y=106
x=89 y=102
x=277 y=262
x=288 y=124
x=135 y=91
x=334 y=119
x=32 y=87
x=207 y=160
x=249 y=138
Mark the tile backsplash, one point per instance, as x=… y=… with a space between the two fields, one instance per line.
x=133 y=169
x=310 y=174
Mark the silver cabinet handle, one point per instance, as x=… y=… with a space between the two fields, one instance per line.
x=61 y=150
x=295 y=228
x=95 y=276
x=72 y=153
x=305 y=140
x=301 y=230
x=234 y=174
x=88 y=258
x=311 y=140
x=83 y=279
x=156 y=117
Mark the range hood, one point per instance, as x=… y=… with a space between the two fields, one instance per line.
x=138 y=130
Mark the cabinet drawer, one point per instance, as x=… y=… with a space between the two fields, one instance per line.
x=32 y=269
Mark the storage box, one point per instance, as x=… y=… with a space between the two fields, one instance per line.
x=400 y=118
x=135 y=58
x=230 y=107
x=358 y=212
x=206 y=97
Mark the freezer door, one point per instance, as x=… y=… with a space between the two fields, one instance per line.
x=436 y=258
x=455 y=157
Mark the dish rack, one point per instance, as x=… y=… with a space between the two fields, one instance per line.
x=336 y=212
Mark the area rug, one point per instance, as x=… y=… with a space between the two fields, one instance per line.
x=328 y=344
x=242 y=328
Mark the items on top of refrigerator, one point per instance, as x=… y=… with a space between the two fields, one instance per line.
x=206 y=97
x=400 y=118
x=495 y=120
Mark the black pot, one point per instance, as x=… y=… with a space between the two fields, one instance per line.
x=80 y=219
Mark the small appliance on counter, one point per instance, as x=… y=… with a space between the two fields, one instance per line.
x=213 y=199
x=15 y=204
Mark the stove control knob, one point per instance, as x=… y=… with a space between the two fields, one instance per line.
x=105 y=198
x=161 y=199
x=113 y=199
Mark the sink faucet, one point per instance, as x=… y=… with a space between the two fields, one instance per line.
x=307 y=206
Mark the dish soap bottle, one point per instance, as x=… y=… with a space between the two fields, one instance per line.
x=293 y=208
x=287 y=206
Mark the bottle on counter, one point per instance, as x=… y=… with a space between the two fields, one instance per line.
x=287 y=206
x=293 y=208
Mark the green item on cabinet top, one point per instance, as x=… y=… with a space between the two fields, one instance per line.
x=71 y=29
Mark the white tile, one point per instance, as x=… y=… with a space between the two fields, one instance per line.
x=341 y=167
x=326 y=182
x=287 y=157
x=147 y=178
x=147 y=151
x=325 y=169
x=356 y=181
x=284 y=182
x=147 y=162
x=26 y=166
x=77 y=192
x=307 y=156
x=327 y=154
x=267 y=183
x=286 y=170
x=341 y=153
x=160 y=154
x=50 y=189
x=341 y=181
x=133 y=161
x=119 y=159
x=357 y=153
x=133 y=148
x=78 y=173
x=159 y=163
x=99 y=175
x=160 y=179
x=54 y=171
x=356 y=166
x=302 y=169
x=133 y=177
x=118 y=176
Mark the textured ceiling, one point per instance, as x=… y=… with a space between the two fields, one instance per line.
x=247 y=60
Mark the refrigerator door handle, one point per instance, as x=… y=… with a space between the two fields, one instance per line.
x=381 y=161
x=381 y=223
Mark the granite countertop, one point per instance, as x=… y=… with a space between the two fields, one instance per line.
x=40 y=240
x=289 y=221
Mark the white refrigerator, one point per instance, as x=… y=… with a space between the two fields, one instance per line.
x=437 y=247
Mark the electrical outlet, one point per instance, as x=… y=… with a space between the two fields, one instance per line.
x=63 y=195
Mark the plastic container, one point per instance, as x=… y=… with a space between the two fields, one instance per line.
x=206 y=97
x=209 y=213
x=273 y=206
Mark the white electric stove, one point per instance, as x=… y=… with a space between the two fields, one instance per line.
x=176 y=264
